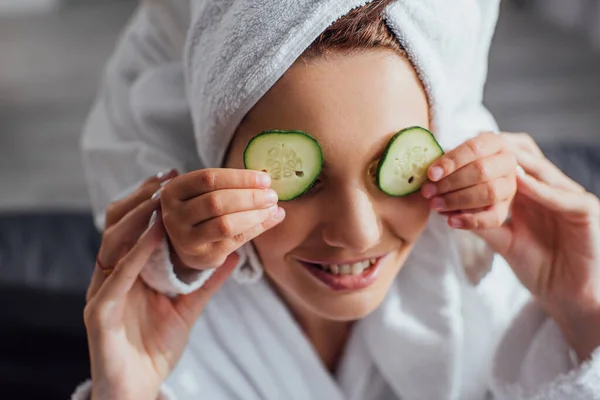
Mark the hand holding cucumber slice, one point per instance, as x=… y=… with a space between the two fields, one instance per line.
x=403 y=167
x=293 y=159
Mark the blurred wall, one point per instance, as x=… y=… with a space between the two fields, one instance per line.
x=50 y=67
x=579 y=16
x=14 y=7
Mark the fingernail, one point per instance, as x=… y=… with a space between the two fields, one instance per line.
x=263 y=180
x=429 y=190
x=520 y=171
x=438 y=203
x=273 y=210
x=271 y=196
x=153 y=218
x=162 y=174
x=435 y=173
x=166 y=174
x=156 y=194
x=163 y=184
x=455 y=223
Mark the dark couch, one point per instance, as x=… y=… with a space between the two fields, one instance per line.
x=46 y=260
x=45 y=263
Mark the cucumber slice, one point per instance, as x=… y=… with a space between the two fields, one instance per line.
x=403 y=167
x=293 y=159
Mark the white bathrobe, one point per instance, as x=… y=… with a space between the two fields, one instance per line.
x=181 y=79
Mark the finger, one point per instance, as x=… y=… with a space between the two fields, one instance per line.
x=499 y=239
x=524 y=142
x=556 y=199
x=119 y=238
x=96 y=281
x=479 y=171
x=197 y=183
x=191 y=305
x=227 y=226
x=478 y=196
x=129 y=267
x=544 y=170
x=449 y=214
x=223 y=202
x=117 y=209
x=231 y=245
x=491 y=217
x=210 y=256
x=482 y=146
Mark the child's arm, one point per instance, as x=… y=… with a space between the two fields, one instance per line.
x=140 y=123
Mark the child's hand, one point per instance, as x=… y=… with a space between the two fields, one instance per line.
x=474 y=184
x=210 y=213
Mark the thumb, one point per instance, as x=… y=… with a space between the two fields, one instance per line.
x=190 y=306
x=499 y=239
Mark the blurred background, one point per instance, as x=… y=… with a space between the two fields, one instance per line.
x=544 y=79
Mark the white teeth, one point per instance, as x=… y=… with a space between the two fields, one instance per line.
x=349 y=269
x=357 y=268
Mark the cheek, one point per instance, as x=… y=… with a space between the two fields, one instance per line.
x=273 y=245
x=408 y=216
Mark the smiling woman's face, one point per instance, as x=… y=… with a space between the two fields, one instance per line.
x=352 y=103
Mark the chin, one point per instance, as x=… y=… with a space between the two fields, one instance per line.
x=309 y=290
x=322 y=301
x=349 y=307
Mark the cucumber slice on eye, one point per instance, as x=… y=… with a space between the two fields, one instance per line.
x=293 y=159
x=403 y=167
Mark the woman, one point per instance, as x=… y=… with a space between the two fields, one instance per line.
x=116 y=325
x=418 y=328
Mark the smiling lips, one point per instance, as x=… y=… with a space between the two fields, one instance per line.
x=346 y=277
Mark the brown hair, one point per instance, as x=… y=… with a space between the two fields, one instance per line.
x=363 y=28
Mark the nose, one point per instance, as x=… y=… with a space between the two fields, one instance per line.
x=352 y=223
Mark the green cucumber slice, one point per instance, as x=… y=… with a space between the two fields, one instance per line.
x=403 y=167
x=293 y=159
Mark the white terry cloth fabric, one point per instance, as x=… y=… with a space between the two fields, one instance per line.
x=434 y=335
x=247 y=346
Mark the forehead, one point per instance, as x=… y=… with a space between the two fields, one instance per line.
x=348 y=102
